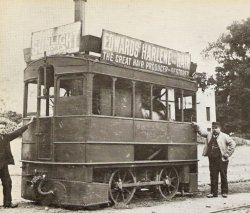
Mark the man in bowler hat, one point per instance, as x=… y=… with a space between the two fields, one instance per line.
x=218 y=148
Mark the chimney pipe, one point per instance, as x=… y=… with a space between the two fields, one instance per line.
x=80 y=13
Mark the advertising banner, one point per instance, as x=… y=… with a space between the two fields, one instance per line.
x=123 y=50
x=59 y=40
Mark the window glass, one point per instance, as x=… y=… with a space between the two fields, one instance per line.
x=123 y=98
x=159 y=103
x=32 y=99
x=189 y=106
x=171 y=104
x=208 y=113
x=47 y=103
x=102 y=95
x=142 y=100
x=46 y=96
x=71 y=95
x=178 y=104
x=71 y=87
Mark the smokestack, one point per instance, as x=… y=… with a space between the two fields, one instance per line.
x=80 y=13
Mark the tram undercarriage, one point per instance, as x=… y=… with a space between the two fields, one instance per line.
x=93 y=185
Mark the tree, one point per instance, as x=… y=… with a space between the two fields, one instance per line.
x=232 y=52
x=12 y=116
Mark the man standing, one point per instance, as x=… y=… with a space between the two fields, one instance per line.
x=218 y=147
x=6 y=158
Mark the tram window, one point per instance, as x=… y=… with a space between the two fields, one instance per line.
x=178 y=104
x=123 y=98
x=185 y=106
x=159 y=103
x=32 y=99
x=161 y=97
x=50 y=101
x=142 y=100
x=171 y=104
x=102 y=95
x=71 y=87
x=189 y=106
x=46 y=91
x=71 y=95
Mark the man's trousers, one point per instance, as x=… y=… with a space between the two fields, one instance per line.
x=7 y=184
x=216 y=167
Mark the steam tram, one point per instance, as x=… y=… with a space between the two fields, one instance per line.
x=104 y=131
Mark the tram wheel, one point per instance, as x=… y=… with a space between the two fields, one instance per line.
x=118 y=193
x=171 y=182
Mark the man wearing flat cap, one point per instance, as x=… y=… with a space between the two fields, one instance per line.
x=6 y=158
x=218 y=148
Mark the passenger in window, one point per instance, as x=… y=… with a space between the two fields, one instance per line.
x=159 y=110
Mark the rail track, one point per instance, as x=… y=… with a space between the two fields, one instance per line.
x=234 y=209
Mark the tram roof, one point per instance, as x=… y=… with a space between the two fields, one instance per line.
x=65 y=65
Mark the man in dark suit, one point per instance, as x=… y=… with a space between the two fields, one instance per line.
x=218 y=148
x=6 y=158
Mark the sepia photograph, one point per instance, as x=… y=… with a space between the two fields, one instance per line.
x=117 y=106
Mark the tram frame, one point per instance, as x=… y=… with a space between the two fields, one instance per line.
x=76 y=157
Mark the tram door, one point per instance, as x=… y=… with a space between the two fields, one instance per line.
x=45 y=107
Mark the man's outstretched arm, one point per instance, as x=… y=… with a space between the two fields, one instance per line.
x=13 y=135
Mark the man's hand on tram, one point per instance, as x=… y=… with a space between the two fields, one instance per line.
x=195 y=125
x=31 y=120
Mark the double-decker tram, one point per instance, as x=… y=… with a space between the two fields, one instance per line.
x=105 y=128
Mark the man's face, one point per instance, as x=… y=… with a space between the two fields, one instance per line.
x=216 y=129
x=2 y=128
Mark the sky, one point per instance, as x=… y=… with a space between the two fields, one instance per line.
x=185 y=25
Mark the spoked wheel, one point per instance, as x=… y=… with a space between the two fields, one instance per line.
x=171 y=182
x=120 y=194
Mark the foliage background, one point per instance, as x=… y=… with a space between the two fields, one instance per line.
x=232 y=52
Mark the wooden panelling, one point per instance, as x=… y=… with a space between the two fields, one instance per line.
x=74 y=105
x=112 y=70
x=72 y=69
x=29 y=135
x=58 y=63
x=105 y=101
x=87 y=193
x=29 y=151
x=181 y=133
x=44 y=142
x=69 y=152
x=182 y=152
x=150 y=131
x=109 y=152
x=123 y=102
x=66 y=172
x=193 y=186
x=110 y=129
x=68 y=129
x=91 y=43
x=164 y=80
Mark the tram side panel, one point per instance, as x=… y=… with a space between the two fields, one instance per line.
x=29 y=143
x=121 y=140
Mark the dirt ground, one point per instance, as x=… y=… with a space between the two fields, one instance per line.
x=239 y=187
